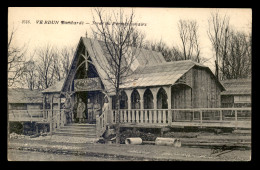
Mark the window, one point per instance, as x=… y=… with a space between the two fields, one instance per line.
x=18 y=106
x=242 y=99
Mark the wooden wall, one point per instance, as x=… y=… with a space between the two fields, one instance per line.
x=204 y=91
x=181 y=97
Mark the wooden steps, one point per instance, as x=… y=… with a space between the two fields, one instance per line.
x=77 y=130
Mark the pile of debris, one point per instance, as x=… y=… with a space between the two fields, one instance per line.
x=181 y=134
x=16 y=136
x=39 y=134
x=144 y=136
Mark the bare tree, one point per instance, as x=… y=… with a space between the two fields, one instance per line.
x=218 y=35
x=188 y=31
x=57 y=66
x=118 y=33
x=162 y=48
x=50 y=65
x=237 y=56
x=45 y=67
x=16 y=60
x=232 y=49
x=137 y=38
x=30 y=75
x=176 y=54
x=66 y=55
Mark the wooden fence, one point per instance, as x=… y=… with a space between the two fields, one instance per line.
x=222 y=117
x=55 y=117
x=101 y=122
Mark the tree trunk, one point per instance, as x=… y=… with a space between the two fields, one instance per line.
x=217 y=69
x=117 y=128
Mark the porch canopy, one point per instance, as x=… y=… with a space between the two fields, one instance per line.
x=162 y=74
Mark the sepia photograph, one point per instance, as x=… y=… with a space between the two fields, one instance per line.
x=129 y=84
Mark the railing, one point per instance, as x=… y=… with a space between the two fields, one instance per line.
x=55 y=117
x=226 y=117
x=101 y=122
x=148 y=116
x=26 y=115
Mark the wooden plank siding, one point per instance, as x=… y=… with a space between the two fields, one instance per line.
x=199 y=90
x=204 y=92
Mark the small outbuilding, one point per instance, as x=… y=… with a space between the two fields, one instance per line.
x=237 y=94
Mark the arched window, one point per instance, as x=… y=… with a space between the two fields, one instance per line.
x=148 y=99
x=135 y=99
x=92 y=71
x=162 y=99
x=123 y=100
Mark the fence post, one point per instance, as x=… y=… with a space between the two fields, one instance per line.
x=50 y=121
x=236 y=118
x=97 y=126
x=201 y=117
x=169 y=117
x=220 y=116
x=29 y=115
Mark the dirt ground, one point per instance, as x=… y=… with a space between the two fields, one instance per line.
x=53 y=151
x=18 y=155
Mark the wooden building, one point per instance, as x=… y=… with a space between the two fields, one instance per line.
x=21 y=100
x=237 y=94
x=52 y=98
x=157 y=94
x=27 y=105
x=154 y=84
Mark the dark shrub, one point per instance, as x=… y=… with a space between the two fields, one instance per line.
x=15 y=127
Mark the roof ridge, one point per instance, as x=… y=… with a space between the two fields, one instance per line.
x=130 y=46
x=174 y=62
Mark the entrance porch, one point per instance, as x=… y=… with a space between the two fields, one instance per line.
x=93 y=101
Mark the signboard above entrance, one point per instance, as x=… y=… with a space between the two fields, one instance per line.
x=88 y=84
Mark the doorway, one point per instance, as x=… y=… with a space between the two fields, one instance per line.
x=93 y=101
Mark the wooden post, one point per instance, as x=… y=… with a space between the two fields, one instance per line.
x=151 y=116
x=121 y=116
x=169 y=100
x=145 y=116
x=159 y=116
x=137 y=116
x=133 y=115
x=51 y=115
x=236 y=118
x=154 y=91
x=59 y=113
x=110 y=112
x=142 y=116
x=141 y=93
x=201 y=117
x=128 y=93
x=125 y=118
x=97 y=126
x=129 y=115
x=220 y=115
x=43 y=107
x=164 y=116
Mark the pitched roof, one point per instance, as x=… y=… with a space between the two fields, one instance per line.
x=54 y=88
x=99 y=55
x=150 y=67
x=237 y=87
x=159 y=74
x=24 y=96
x=99 y=50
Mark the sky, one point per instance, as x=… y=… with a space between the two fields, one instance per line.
x=161 y=23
